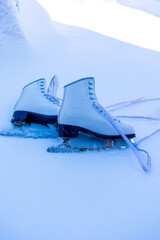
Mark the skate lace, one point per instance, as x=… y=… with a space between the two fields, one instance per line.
x=116 y=106
x=139 y=100
x=136 y=150
x=53 y=99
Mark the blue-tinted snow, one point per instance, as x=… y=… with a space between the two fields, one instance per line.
x=149 y=6
x=84 y=196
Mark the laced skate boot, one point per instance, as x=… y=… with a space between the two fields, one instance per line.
x=37 y=106
x=80 y=111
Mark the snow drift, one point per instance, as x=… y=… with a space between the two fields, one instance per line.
x=9 y=20
x=149 y=6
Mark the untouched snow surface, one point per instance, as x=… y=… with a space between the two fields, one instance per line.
x=103 y=195
x=110 y=19
x=149 y=6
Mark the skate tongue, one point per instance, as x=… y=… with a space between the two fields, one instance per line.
x=53 y=86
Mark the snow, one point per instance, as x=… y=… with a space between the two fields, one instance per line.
x=90 y=195
x=9 y=22
x=149 y=6
x=110 y=19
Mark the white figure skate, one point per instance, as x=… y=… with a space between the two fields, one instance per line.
x=81 y=112
x=35 y=105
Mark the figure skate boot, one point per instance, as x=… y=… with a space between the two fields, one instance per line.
x=36 y=105
x=80 y=111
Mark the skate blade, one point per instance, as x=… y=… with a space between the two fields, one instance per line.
x=65 y=147
x=62 y=149
x=19 y=124
x=121 y=144
x=132 y=141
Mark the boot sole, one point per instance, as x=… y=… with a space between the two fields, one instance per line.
x=69 y=131
x=21 y=118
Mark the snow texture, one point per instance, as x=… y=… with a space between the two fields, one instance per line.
x=9 y=20
x=91 y=195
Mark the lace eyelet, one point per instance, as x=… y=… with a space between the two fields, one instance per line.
x=90 y=88
x=92 y=98
x=90 y=83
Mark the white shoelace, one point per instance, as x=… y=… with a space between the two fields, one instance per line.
x=136 y=150
x=116 y=106
x=53 y=99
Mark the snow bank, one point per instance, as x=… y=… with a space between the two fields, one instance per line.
x=9 y=20
x=36 y=24
x=149 y=6
x=108 y=18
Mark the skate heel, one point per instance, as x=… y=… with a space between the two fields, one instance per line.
x=68 y=131
x=19 y=118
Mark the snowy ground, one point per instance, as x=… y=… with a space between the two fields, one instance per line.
x=84 y=196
